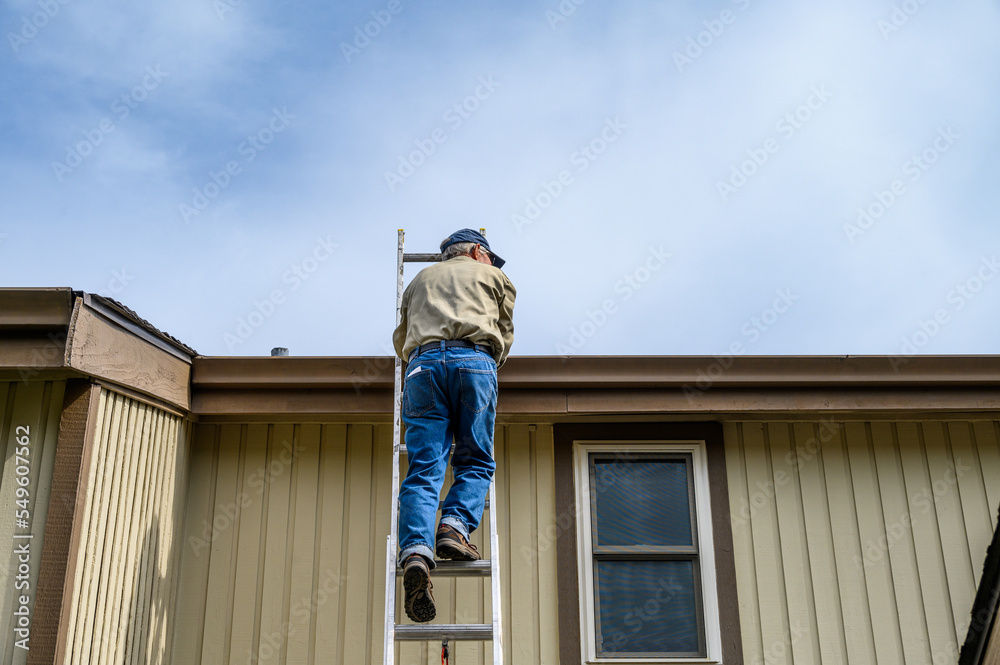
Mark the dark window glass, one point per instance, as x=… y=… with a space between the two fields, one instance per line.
x=642 y=502
x=647 y=587
x=647 y=607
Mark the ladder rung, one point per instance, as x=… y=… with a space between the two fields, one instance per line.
x=421 y=258
x=440 y=631
x=402 y=449
x=480 y=568
x=486 y=504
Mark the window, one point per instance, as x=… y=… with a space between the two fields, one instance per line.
x=646 y=552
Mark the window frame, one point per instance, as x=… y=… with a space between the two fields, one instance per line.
x=707 y=599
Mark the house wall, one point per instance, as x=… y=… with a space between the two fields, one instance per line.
x=285 y=541
x=34 y=405
x=860 y=542
x=123 y=567
x=854 y=542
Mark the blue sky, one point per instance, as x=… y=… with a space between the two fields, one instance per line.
x=662 y=177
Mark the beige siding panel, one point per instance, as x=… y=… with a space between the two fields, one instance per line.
x=871 y=525
x=135 y=536
x=523 y=640
x=547 y=609
x=123 y=595
x=805 y=461
x=857 y=620
x=93 y=520
x=926 y=538
x=896 y=546
x=772 y=599
x=743 y=552
x=250 y=502
x=218 y=609
x=195 y=552
x=96 y=560
x=794 y=551
x=36 y=405
x=954 y=538
x=148 y=569
x=302 y=582
x=120 y=542
x=972 y=493
x=380 y=517
x=359 y=545
x=279 y=508
x=333 y=468
x=985 y=436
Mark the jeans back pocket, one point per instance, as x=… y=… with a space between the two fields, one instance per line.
x=418 y=393
x=479 y=388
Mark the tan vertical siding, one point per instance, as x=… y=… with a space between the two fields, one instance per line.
x=860 y=542
x=36 y=405
x=124 y=578
x=284 y=549
x=854 y=542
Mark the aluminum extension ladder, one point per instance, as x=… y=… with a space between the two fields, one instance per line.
x=395 y=632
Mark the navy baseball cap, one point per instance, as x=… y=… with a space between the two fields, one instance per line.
x=468 y=235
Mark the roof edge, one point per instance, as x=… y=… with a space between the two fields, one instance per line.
x=696 y=373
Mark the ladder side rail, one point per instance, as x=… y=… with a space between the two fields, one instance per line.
x=393 y=538
x=495 y=581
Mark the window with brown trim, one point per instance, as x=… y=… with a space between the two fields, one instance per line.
x=646 y=571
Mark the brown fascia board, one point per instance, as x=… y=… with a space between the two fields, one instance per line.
x=35 y=309
x=358 y=373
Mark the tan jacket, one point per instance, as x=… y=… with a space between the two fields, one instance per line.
x=457 y=299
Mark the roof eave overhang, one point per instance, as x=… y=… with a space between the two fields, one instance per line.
x=576 y=386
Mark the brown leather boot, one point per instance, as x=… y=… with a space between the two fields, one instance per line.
x=419 y=601
x=452 y=545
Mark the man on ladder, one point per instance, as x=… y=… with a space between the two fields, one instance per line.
x=456 y=329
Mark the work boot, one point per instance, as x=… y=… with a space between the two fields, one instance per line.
x=419 y=601
x=453 y=545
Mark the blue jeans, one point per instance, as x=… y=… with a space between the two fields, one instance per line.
x=447 y=392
